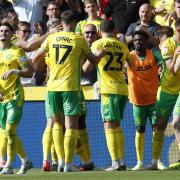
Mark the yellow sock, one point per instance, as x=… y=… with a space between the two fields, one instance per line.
x=157 y=143
x=46 y=142
x=11 y=143
x=120 y=135
x=139 y=143
x=179 y=146
x=84 y=140
x=70 y=142
x=3 y=143
x=81 y=152
x=58 y=139
x=20 y=149
x=53 y=154
x=112 y=142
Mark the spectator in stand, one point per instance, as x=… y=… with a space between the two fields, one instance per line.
x=101 y=6
x=52 y=11
x=132 y=13
x=90 y=35
x=145 y=24
x=117 y=10
x=10 y=17
x=29 y=10
x=76 y=5
x=23 y=32
x=91 y=9
x=5 y=6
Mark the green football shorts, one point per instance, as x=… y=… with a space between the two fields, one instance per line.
x=11 y=112
x=49 y=113
x=67 y=102
x=165 y=105
x=112 y=106
x=141 y=113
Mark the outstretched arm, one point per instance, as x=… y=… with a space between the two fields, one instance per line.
x=31 y=45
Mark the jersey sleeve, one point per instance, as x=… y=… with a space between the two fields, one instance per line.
x=94 y=47
x=45 y=44
x=157 y=56
x=78 y=28
x=22 y=58
x=97 y=45
x=166 y=51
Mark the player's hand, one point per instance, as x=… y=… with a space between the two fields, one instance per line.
x=6 y=75
x=1 y=97
x=142 y=28
x=160 y=10
x=172 y=16
x=57 y=28
x=38 y=28
x=100 y=53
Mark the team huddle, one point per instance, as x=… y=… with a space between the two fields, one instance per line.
x=66 y=54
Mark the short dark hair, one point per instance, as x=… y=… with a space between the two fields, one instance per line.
x=141 y=32
x=52 y=3
x=69 y=16
x=24 y=23
x=7 y=25
x=165 y=30
x=107 y=26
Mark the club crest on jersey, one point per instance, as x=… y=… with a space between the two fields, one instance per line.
x=8 y=57
x=164 y=49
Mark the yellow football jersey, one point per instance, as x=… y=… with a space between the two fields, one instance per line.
x=111 y=66
x=167 y=4
x=65 y=50
x=12 y=58
x=81 y=24
x=169 y=82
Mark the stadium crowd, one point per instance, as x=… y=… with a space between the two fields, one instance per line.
x=133 y=48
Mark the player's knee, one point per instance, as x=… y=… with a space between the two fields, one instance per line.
x=161 y=124
x=82 y=122
x=140 y=129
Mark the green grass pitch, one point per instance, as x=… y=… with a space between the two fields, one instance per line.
x=37 y=174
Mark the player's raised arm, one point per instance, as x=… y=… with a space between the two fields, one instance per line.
x=33 y=44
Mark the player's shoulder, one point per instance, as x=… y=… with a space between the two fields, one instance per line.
x=169 y=41
x=16 y=50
